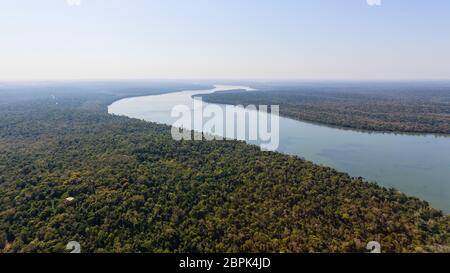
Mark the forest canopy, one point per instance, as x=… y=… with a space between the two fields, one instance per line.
x=420 y=107
x=71 y=172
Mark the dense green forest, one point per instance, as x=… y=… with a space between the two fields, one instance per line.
x=395 y=107
x=137 y=190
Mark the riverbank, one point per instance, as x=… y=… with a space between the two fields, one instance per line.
x=414 y=164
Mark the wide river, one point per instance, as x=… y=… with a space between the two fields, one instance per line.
x=418 y=165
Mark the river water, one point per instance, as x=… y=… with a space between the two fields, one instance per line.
x=418 y=165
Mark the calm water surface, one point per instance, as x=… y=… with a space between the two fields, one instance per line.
x=418 y=165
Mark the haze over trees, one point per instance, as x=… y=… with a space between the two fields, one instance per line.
x=416 y=107
x=135 y=189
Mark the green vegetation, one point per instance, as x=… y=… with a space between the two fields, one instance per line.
x=395 y=107
x=137 y=190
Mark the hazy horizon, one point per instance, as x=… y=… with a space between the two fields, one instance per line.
x=232 y=40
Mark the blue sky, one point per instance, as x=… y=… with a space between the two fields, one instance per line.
x=225 y=39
